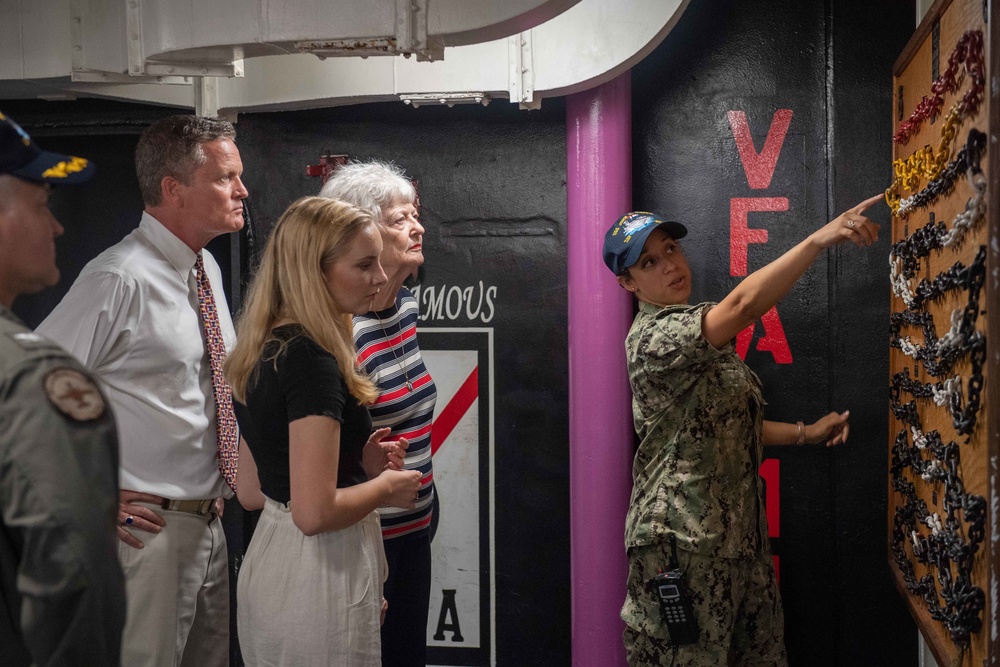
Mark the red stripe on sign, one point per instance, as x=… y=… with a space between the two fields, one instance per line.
x=459 y=404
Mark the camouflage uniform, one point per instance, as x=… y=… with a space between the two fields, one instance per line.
x=62 y=595
x=697 y=411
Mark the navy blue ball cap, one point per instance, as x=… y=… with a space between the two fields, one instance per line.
x=21 y=157
x=624 y=241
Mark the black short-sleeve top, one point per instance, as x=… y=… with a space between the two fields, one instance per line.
x=301 y=381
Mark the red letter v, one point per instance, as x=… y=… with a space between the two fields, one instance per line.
x=759 y=167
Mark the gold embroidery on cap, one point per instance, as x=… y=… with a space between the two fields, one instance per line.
x=64 y=169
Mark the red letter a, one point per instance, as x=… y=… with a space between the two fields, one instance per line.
x=773 y=340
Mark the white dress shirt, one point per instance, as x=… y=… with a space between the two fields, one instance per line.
x=132 y=318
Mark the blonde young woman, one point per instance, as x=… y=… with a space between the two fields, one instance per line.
x=310 y=590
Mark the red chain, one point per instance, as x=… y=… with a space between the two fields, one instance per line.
x=969 y=51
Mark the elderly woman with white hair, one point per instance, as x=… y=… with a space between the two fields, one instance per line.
x=386 y=341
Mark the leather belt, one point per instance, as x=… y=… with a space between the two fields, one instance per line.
x=201 y=507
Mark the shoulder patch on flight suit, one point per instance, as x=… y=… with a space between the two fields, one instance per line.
x=74 y=394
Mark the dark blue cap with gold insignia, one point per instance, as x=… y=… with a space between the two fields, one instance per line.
x=21 y=157
x=624 y=241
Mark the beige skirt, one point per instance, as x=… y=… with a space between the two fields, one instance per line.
x=311 y=600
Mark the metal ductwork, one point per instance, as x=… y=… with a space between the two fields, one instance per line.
x=235 y=55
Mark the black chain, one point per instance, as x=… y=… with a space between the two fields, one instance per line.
x=967 y=158
x=950 y=542
x=919 y=245
x=944 y=548
x=955 y=277
x=962 y=418
x=937 y=361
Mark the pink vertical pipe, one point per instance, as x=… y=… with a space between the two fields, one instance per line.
x=599 y=190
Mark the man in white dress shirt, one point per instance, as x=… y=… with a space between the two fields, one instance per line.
x=132 y=317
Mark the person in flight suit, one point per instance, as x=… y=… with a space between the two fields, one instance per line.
x=62 y=594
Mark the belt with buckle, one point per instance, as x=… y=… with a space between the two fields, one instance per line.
x=201 y=507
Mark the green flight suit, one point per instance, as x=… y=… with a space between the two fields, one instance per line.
x=62 y=595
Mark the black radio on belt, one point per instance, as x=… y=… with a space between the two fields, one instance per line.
x=675 y=603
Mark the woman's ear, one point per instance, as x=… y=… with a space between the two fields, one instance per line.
x=626 y=281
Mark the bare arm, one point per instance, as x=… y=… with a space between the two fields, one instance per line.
x=763 y=288
x=248 y=483
x=832 y=428
x=317 y=504
x=780 y=433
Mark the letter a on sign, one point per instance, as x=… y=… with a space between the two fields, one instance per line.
x=448 y=608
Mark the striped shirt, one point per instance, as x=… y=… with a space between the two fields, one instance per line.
x=388 y=352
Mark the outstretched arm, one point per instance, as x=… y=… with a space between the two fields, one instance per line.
x=763 y=288
x=832 y=428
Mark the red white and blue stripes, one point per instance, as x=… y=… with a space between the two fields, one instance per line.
x=387 y=350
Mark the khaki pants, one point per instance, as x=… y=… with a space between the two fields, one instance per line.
x=736 y=602
x=177 y=590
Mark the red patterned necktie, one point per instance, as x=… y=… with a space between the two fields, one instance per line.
x=226 y=420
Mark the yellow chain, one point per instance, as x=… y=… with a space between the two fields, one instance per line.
x=926 y=162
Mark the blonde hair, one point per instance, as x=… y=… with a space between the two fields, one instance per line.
x=290 y=285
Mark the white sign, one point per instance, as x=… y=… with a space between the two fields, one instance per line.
x=461 y=624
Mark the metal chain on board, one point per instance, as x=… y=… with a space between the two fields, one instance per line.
x=905 y=256
x=968 y=52
x=970 y=154
x=948 y=392
x=953 y=540
x=947 y=537
x=939 y=354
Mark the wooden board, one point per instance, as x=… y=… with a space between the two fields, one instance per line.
x=925 y=57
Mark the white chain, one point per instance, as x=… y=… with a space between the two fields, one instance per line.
x=953 y=338
x=950 y=387
x=908 y=348
x=975 y=211
x=950 y=340
x=932 y=467
x=900 y=285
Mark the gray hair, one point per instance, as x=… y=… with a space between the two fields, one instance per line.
x=370 y=186
x=172 y=147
